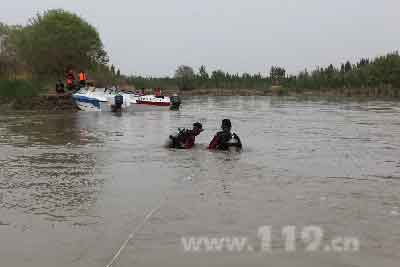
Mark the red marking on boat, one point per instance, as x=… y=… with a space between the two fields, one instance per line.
x=151 y=103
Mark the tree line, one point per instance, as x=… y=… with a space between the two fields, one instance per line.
x=382 y=72
x=185 y=78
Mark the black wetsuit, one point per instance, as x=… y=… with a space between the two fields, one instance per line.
x=224 y=140
x=183 y=140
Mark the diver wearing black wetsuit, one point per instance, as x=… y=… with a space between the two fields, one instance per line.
x=186 y=138
x=225 y=139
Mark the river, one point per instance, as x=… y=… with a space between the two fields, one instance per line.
x=75 y=186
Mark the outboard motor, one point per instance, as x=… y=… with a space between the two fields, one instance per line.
x=118 y=102
x=175 y=102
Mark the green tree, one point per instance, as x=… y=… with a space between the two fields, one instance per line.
x=277 y=74
x=8 y=52
x=347 y=67
x=112 y=69
x=203 y=73
x=58 y=40
x=218 y=76
x=185 y=76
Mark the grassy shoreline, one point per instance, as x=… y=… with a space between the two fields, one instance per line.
x=54 y=102
x=281 y=91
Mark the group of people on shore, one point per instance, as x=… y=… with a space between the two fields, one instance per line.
x=223 y=140
x=72 y=82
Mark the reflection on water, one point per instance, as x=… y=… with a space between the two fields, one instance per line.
x=30 y=129
x=331 y=162
x=49 y=183
x=44 y=170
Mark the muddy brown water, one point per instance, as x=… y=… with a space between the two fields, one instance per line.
x=73 y=186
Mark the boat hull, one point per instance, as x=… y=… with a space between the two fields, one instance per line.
x=146 y=107
x=87 y=104
x=103 y=100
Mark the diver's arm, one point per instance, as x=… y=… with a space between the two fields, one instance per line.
x=239 y=143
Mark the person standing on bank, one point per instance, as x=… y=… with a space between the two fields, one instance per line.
x=70 y=80
x=82 y=78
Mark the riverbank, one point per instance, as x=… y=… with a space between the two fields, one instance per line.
x=281 y=91
x=42 y=103
x=55 y=102
x=219 y=92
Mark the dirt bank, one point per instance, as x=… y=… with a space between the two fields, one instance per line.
x=54 y=102
x=44 y=103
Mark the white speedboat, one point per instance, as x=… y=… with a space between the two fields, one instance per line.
x=102 y=99
x=153 y=102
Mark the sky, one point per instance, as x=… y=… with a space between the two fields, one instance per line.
x=152 y=37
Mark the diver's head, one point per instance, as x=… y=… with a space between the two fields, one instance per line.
x=197 y=128
x=226 y=125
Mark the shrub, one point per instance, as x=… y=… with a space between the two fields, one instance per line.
x=20 y=88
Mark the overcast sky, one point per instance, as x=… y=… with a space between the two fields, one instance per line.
x=153 y=37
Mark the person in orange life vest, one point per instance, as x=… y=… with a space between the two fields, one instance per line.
x=70 y=80
x=158 y=92
x=82 y=78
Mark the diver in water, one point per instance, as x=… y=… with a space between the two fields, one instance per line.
x=185 y=138
x=225 y=139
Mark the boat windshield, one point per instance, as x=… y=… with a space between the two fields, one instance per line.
x=101 y=90
x=82 y=91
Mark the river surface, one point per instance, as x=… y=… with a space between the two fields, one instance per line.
x=74 y=187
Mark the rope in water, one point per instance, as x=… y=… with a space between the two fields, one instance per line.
x=132 y=235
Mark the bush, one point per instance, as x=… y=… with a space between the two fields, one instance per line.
x=19 y=88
